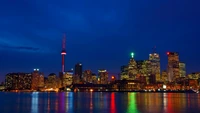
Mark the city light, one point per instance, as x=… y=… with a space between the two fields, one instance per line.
x=168 y=53
x=132 y=55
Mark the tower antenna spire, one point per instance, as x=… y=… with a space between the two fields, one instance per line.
x=64 y=42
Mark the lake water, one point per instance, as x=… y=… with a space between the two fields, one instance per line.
x=97 y=102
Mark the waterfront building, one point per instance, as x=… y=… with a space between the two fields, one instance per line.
x=103 y=76
x=52 y=81
x=173 y=66
x=41 y=81
x=78 y=70
x=94 y=78
x=154 y=58
x=35 y=79
x=87 y=76
x=132 y=68
x=67 y=78
x=182 y=69
x=18 y=81
x=76 y=79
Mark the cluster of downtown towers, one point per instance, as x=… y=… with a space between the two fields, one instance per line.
x=151 y=67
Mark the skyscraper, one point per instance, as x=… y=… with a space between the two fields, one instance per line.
x=103 y=75
x=154 y=58
x=124 y=72
x=132 y=68
x=35 y=79
x=173 y=66
x=78 y=70
x=182 y=69
x=87 y=76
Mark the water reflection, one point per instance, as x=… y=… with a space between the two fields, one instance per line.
x=92 y=102
x=113 y=107
x=69 y=102
x=34 y=102
x=132 y=106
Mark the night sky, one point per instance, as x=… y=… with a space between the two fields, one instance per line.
x=100 y=33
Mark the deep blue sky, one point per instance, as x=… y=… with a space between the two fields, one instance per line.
x=100 y=33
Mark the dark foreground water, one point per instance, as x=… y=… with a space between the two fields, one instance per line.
x=96 y=102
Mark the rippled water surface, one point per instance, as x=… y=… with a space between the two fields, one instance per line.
x=96 y=102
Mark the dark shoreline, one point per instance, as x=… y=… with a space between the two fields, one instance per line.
x=184 y=91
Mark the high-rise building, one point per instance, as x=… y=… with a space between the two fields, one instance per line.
x=154 y=58
x=52 y=81
x=18 y=81
x=87 y=76
x=41 y=81
x=173 y=66
x=124 y=73
x=94 y=78
x=143 y=67
x=194 y=76
x=78 y=70
x=164 y=76
x=182 y=69
x=35 y=79
x=103 y=76
x=132 y=68
x=66 y=78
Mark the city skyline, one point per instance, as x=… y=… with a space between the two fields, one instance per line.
x=98 y=35
x=131 y=56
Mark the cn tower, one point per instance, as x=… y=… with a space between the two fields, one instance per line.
x=63 y=53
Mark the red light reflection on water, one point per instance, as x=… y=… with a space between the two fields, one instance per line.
x=113 y=106
x=169 y=103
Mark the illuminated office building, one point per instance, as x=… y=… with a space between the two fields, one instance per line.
x=144 y=67
x=173 y=66
x=154 y=58
x=124 y=73
x=52 y=81
x=132 y=68
x=67 y=78
x=103 y=76
x=36 y=76
x=18 y=81
x=87 y=76
x=41 y=81
x=94 y=78
x=164 y=76
x=194 y=76
x=182 y=69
